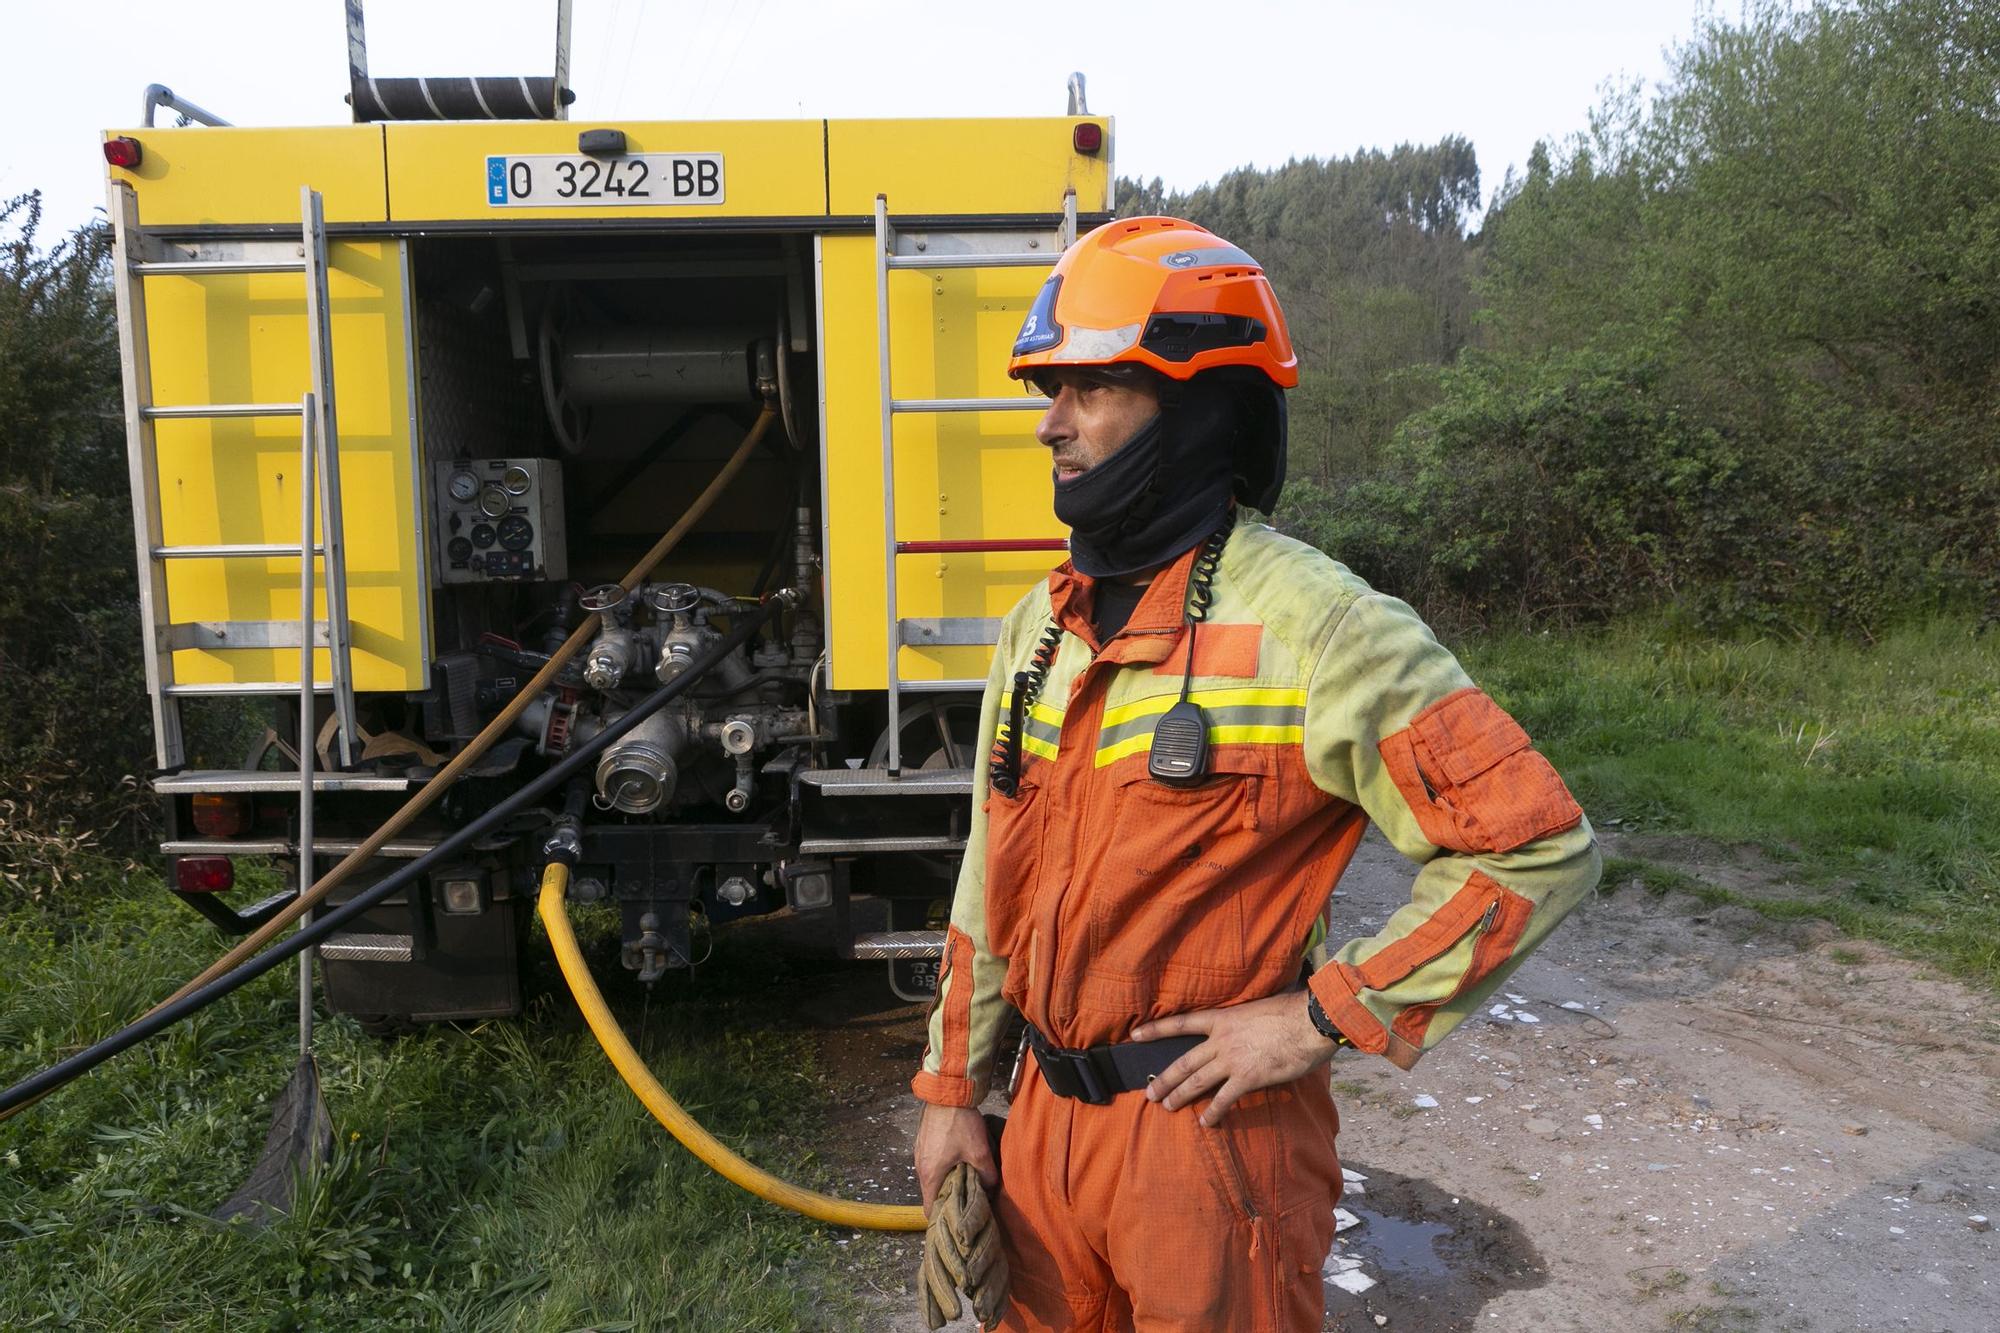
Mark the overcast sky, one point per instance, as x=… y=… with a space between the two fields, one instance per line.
x=1196 y=87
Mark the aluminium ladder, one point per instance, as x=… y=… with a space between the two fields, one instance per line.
x=897 y=250
x=136 y=257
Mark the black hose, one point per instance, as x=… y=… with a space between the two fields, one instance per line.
x=75 y=1066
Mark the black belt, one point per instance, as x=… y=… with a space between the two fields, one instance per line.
x=1098 y=1074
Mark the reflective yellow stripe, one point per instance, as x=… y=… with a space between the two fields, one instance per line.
x=1040 y=712
x=1030 y=742
x=1256 y=735
x=1111 y=754
x=1253 y=696
x=1143 y=742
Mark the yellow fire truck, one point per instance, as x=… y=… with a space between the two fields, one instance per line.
x=407 y=397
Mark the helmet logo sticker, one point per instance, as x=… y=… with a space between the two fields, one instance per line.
x=1039 y=331
x=1209 y=256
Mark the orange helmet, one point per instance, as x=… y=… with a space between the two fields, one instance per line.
x=1160 y=293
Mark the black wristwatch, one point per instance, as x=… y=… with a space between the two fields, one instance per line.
x=1322 y=1023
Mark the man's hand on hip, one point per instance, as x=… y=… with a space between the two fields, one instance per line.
x=946 y=1136
x=1249 y=1046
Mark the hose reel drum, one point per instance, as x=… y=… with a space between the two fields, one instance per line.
x=586 y=365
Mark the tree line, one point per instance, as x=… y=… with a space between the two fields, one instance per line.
x=1729 y=351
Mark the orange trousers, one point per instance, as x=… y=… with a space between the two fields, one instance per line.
x=1131 y=1216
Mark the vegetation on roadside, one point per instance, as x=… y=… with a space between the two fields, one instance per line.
x=1870 y=774
x=1732 y=350
x=496 y=1178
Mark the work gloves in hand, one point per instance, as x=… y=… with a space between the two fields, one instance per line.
x=962 y=1251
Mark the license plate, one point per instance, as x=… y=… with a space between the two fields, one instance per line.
x=545 y=180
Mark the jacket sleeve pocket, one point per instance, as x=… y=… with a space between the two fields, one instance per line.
x=1472 y=778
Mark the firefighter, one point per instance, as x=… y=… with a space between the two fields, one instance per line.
x=1192 y=724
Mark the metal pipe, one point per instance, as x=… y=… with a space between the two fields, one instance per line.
x=883 y=244
x=973 y=545
x=158 y=94
x=308 y=448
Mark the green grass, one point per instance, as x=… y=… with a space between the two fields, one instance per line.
x=1869 y=774
x=494 y=1178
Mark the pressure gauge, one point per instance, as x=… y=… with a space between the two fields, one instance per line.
x=493 y=502
x=515 y=480
x=482 y=535
x=464 y=486
x=516 y=533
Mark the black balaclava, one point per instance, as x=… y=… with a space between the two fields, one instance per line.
x=1164 y=491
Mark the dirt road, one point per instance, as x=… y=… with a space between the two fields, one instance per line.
x=1673 y=1118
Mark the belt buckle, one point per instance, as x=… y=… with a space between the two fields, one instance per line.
x=1071 y=1074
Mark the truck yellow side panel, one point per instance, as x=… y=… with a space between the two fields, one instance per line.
x=958 y=475
x=964 y=166
x=235 y=339
x=225 y=175
x=771 y=168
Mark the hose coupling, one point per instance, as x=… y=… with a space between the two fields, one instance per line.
x=564 y=843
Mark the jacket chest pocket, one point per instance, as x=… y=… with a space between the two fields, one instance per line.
x=1015 y=828
x=1167 y=924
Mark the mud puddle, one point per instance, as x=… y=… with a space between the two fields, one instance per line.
x=1434 y=1260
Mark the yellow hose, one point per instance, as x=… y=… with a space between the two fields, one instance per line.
x=631 y=1068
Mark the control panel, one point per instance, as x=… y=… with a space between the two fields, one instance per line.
x=500 y=519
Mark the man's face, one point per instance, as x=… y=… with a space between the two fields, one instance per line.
x=1090 y=417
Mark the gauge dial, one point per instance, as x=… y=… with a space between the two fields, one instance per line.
x=494 y=502
x=516 y=533
x=459 y=550
x=482 y=535
x=515 y=480
x=464 y=486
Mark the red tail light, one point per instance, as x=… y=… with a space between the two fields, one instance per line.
x=1087 y=138
x=220 y=815
x=123 y=151
x=204 y=874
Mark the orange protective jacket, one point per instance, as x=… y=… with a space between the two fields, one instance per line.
x=1096 y=898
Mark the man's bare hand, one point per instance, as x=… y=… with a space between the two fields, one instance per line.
x=1249 y=1046
x=946 y=1136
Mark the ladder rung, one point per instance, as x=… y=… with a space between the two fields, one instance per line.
x=899 y=944
x=877 y=782
x=944 y=631
x=1022 y=404
x=224 y=688
x=226 y=550
x=860 y=846
x=214 y=635
x=199 y=410
x=275 y=780
x=1022 y=260
x=401 y=849
x=194 y=268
